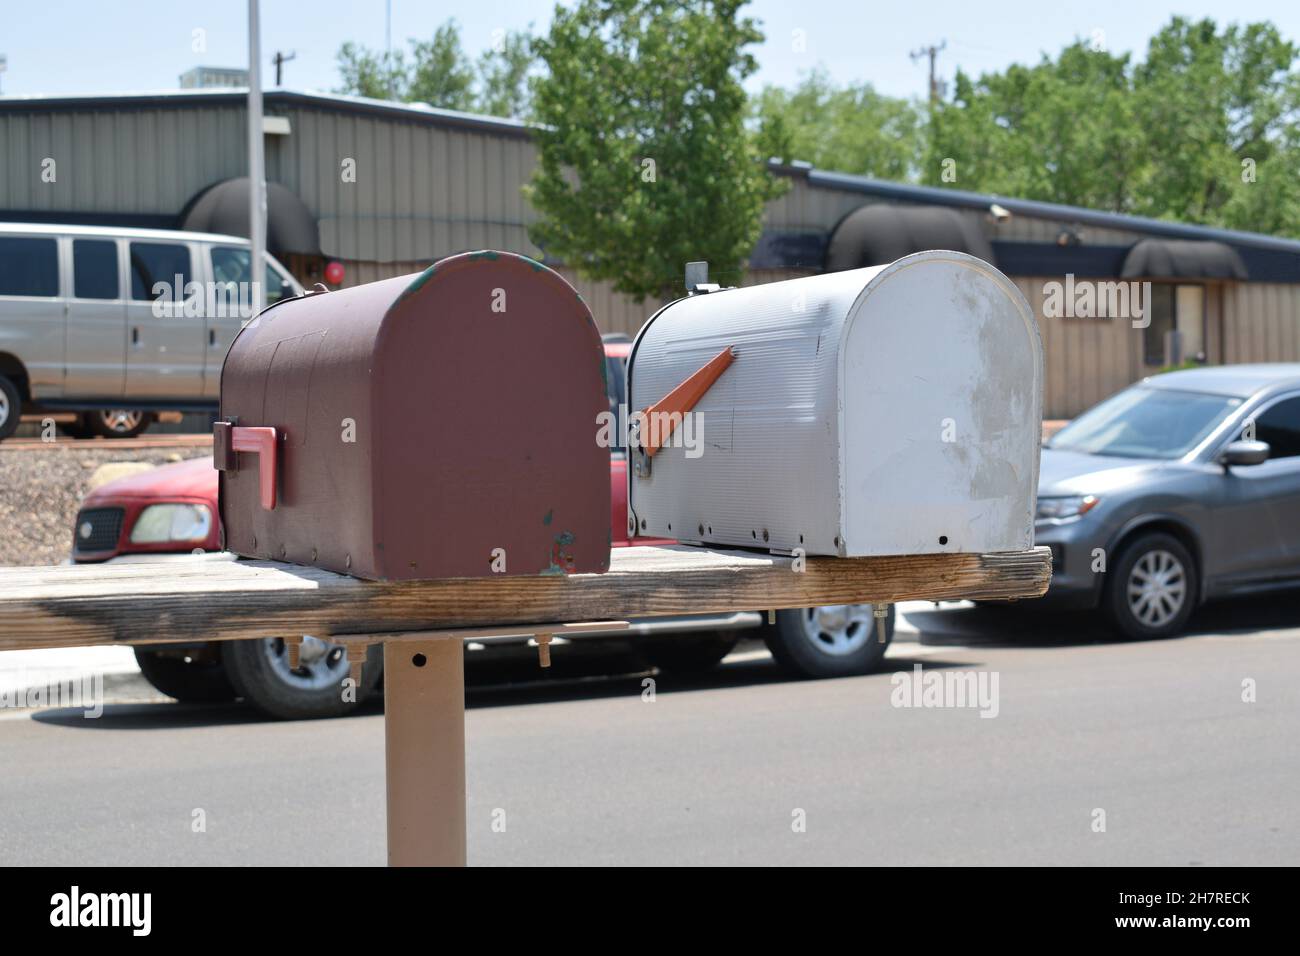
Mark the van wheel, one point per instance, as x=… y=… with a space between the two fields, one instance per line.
x=11 y=408
x=259 y=671
x=116 y=422
x=835 y=641
x=1151 y=592
x=689 y=653
x=196 y=679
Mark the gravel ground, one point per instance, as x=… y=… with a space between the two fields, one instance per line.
x=40 y=489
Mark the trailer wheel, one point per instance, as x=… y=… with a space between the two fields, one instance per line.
x=835 y=641
x=689 y=653
x=259 y=671
x=11 y=408
x=200 y=679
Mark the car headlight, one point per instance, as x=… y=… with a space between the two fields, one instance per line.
x=1073 y=506
x=159 y=523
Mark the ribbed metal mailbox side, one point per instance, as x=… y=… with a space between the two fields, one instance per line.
x=888 y=410
x=767 y=471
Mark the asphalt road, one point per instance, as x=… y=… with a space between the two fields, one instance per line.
x=714 y=770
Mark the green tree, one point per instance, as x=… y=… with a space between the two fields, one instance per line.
x=645 y=161
x=367 y=73
x=1063 y=130
x=1208 y=100
x=851 y=129
x=441 y=74
x=503 y=74
x=438 y=72
x=1203 y=129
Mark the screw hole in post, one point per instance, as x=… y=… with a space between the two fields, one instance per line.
x=419 y=660
x=943 y=539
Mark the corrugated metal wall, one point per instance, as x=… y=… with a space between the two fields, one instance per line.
x=1085 y=359
x=420 y=191
x=1261 y=322
x=135 y=161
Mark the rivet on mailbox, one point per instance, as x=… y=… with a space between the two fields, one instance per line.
x=882 y=411
x=417 y=426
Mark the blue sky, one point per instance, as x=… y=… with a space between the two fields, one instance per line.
x=57 y=46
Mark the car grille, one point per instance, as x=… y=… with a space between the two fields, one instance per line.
x=97 y=530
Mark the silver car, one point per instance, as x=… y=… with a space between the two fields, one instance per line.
x=1179 y=489
x=116 y=324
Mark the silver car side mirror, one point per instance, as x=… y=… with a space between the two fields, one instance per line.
x=1245 y=453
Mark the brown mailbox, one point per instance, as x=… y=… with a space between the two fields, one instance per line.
x=435 y=425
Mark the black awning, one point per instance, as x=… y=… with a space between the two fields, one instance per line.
x=223 y=208
x=879 y=233
x=1183 y=259
x=1047 y=259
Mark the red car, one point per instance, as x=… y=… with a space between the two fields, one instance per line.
x=173 y=510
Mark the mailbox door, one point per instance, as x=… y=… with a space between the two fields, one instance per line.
x=496 y=466
x=941 y=372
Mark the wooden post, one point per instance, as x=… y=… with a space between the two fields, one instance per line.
x=424 y=743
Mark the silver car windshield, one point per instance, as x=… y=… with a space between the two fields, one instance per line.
x=1142 y=422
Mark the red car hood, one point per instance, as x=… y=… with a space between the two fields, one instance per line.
x=195 y=478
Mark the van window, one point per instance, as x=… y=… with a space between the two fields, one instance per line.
x=94 y=268
x=230 y=264
x=154 y=262
x=29 y=266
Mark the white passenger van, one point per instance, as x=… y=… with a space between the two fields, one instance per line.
x=117 y=324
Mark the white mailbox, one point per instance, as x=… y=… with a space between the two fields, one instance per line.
x=889 y=410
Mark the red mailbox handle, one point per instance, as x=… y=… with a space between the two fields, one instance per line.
x=262 y=441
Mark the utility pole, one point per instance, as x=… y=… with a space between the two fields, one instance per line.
x=932 y=52
x=4 y=63
x=280 y=60
x=256 y=167
x=388 y=45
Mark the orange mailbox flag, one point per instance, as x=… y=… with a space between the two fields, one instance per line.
x=681 y=400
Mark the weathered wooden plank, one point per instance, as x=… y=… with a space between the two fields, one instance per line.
x=212 y=598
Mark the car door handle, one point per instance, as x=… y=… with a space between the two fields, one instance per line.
x=135 y=335
x=212 y=336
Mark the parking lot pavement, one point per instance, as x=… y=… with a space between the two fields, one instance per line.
x=713 y=769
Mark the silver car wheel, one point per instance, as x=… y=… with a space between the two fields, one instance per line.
x=838 y=629
x=320 y=664
x=121 y=419
x=4 y=409
x=1157 y=588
